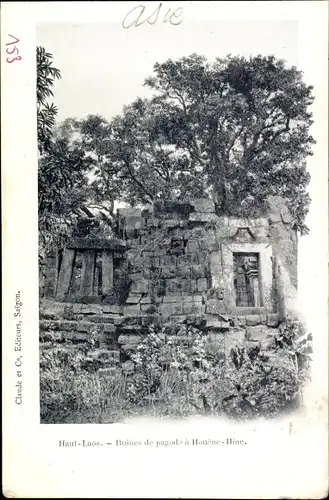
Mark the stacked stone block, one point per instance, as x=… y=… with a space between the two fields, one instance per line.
x=168 y=254
x=175 y=270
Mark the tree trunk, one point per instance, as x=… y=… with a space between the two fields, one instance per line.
x=219 y=182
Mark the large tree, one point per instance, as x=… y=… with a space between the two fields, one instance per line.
x=62 y=165
x=246 y=122
x=63 y=191
x=236 y=129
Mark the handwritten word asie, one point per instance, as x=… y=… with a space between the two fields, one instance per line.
x=141 y=14
x=13 y=50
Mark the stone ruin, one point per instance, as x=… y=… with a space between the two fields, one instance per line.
x=174 y=263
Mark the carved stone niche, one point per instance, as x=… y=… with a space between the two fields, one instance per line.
x=247 y=277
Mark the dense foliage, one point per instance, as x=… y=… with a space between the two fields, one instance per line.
x=236 y=130
x=46 y=112
x=244 y=122
x=63 y=166
x=62 y=191
x=175 y=375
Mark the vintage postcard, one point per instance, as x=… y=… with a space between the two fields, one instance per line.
x=165 y=249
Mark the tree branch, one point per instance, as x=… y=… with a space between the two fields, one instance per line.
x=86 y=211
x=132 y=175
x=282 y=131
x=164 y=175
x=236 y=136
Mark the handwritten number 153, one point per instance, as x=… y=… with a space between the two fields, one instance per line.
x=12 y=50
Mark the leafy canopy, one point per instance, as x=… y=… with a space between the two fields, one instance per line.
x=246 y=121
x=236 y=129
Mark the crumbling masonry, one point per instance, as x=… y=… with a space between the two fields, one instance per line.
x=174 y=263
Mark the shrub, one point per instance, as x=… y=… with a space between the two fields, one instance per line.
x=167 y=366
x=258 y=385
x=251 y=382
x=76 y=386
x=176 y=374
x=297 y=343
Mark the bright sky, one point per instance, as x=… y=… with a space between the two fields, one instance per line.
x=103 y=66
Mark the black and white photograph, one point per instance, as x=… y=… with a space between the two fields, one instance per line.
x=173 y=193
x=165 y=255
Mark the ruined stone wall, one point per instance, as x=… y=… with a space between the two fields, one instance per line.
x=48 y=271
x=178 y=269
x=180 y=261
x=283 y=236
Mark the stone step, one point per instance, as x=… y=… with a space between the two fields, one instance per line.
x=217 y=325
x=76 y=331
x=78 y=326
x=97 y=318
x=269 y=319
x=73 y=312
x=106 y=354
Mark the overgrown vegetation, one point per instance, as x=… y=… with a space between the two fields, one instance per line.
x=235 y=130
x=174 y=373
